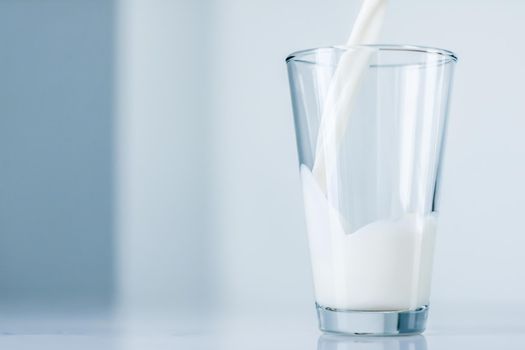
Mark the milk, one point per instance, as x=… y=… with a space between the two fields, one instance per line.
x=385 y=265
x=343 y=87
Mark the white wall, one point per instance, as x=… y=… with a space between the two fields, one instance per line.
x=257 y=205
x=206 y=206
x=164 y=248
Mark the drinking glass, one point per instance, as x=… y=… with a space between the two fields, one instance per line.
x=370 y=125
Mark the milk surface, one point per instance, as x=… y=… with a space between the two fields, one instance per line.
x=383 y=266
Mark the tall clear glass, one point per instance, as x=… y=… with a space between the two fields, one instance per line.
x=370 y=124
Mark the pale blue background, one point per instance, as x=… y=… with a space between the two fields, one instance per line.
x=148 y=159
x=56 y=158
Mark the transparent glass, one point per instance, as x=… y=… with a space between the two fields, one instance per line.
x=370 y=125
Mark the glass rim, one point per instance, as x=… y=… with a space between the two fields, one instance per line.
x=377 y=47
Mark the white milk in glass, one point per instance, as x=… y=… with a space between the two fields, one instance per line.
x=384 y=265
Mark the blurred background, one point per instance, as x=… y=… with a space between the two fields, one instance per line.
x=148 y=160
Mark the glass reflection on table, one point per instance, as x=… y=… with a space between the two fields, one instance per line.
x=342 y=342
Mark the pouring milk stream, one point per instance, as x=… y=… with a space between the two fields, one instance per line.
x=384 y=265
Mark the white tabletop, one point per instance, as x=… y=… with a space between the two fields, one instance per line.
x=479 y=328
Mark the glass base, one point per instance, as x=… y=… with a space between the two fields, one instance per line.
x=376 y=323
